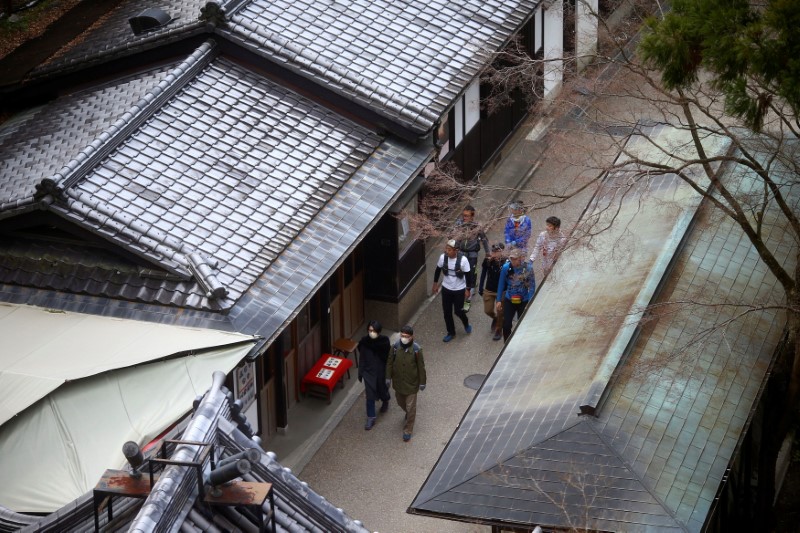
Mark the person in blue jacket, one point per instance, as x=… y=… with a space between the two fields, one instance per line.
x=518 y=227
x=515 y=289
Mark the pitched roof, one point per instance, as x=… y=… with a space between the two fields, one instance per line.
x=205 y=181
x=658 y=449
x=38 y=143
x=411 y=60
x=406 y=61
x=112 y=36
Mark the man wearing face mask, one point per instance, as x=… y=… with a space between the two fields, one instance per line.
x=405 y=370
x=518 y=227
x=374 y=350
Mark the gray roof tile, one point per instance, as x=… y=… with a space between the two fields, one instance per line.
x=396 y=57
x=114 y=35
x=37 y=143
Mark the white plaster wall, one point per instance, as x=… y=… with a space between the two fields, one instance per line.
x=586 y=31
x=553 y=47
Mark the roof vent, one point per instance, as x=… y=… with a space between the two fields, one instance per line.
x=149 y=19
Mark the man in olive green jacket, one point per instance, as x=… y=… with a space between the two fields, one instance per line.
x=405 y=370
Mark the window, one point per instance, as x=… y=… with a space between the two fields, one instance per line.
x=472 y=106
x=458 y=122
x=443 y=135
x=404 y=234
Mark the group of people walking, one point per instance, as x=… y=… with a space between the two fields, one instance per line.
x=507 y=281
x=507 y=284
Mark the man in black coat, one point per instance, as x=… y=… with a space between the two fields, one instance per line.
x=374 y=351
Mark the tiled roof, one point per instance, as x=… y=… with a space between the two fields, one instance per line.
x=658 y=449
x=38 y=143
x=405 y=61
x=213 y=185
x=112 y=36
x=410 y=60
x=277 y=294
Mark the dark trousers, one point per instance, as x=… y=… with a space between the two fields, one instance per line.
x=473 y=271
x=453 y=301
x=509 y=310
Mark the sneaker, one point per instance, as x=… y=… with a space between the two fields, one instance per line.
x=448 y=338
x=497 y=336
x=406 y=437
x=468 y=328
x=384 y=407
x=370 y=423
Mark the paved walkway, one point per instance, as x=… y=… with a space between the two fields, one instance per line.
x=374 y=475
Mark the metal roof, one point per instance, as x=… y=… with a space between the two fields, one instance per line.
x=657 y=449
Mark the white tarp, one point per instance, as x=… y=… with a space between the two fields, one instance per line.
x=58 y=449
x=42 y=349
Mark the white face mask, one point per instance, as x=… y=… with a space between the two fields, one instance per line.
x=373 y=334
x=405 y=341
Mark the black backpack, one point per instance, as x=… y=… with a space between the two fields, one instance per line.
x=445 y=269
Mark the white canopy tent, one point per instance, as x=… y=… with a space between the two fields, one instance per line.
x=71 y=395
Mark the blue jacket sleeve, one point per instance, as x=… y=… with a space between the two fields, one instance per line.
x=526 y=228
x=501 y=284
x=532 y=285
x=509 y=231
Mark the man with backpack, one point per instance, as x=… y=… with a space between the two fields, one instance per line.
x=515 y=289
x=405 y=371
x=456 y=286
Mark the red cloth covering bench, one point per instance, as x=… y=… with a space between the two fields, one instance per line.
x=324 y=375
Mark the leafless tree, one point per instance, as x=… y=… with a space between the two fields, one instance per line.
x=753 y=182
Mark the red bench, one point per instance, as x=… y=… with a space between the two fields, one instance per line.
x=324 y=375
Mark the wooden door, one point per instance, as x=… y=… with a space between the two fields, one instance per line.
x=268 y=417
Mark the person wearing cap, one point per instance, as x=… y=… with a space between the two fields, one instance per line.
x=549 y=244
x=373 y=349
x=490 y=277
x=514 y=289
x=469 y=241
x=405 y=371
x=456 y=286
x=518 y=227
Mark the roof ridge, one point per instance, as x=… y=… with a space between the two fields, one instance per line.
x=198 y=265
x=591 y=421
x=164 y=35
x=172 y=484
x=492 y=465
x=84 y=204
x=230 y=7
x=299 y=57
x=110 y=139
